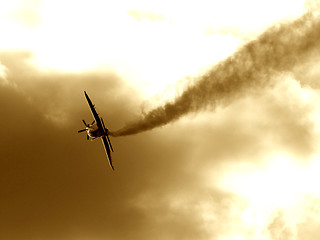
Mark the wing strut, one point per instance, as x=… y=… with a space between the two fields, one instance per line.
x=106 y=130
x=107 y=149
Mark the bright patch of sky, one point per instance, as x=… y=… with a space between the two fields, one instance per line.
x=150 y=44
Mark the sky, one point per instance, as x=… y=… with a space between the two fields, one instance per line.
x=213 y=107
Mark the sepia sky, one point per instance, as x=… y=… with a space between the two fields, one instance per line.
x=218 y=101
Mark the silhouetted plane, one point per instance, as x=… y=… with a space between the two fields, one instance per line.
x=97 y=129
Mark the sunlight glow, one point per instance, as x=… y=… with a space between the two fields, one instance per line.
x=278 y=184
x=283 y=191
x=150 y=44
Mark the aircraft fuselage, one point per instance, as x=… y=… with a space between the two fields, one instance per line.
x=94 y=132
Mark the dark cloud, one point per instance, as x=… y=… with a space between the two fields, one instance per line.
x=51 y=185
x=55 y=184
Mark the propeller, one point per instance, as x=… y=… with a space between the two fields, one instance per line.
x=87 y=126
x=82 y=130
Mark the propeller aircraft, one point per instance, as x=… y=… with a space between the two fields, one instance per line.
x=97 y=129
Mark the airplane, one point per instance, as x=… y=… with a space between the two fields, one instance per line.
x=97 y=129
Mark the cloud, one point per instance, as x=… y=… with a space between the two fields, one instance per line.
x=51 y=187
x=167 y=183
x=55 y=184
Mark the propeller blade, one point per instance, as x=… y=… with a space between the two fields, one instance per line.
x=82 y=130
x=85 y=123
x=109 y=143
x=93 y=122
x=87 y=137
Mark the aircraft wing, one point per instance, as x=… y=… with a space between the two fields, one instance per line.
x=94 y=112
x=107 y=148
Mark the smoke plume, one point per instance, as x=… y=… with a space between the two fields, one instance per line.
x=278 y=49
